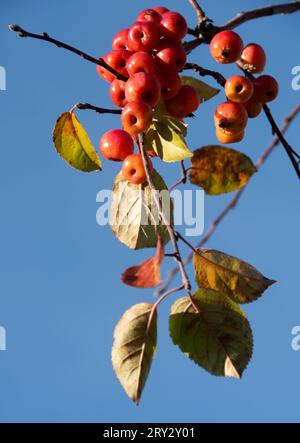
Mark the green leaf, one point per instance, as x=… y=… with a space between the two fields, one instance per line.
x=166 y=137
x=205 y=91
x=218 y=169
x=229 y=275
x=134 y=217
x=219 y=338
x=73 y=144
x=133 y=349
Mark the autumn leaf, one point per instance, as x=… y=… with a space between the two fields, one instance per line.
x=134 y=346
x=229 y=275
x=218 y=338
x=217 y=169
x=146 y=274
x=73 y=144
x=134 y=217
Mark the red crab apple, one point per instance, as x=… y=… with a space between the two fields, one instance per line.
x=120 y=41
x=144 y=36
x=133 y=169
x=226 y=137
x=226 y=47
x=174 y=25
x=266 y=88
x=142 y=86
x=253 y=107
x=116 y=145
x=231 y=117
x=116 y=59
x=161 y=9
x=149 y=15
x=184 y=103
x=141 y=62
x=172 y=55
x=170 y=82
x=253 y=58
x=238 y=89
x=117 y=93
x=136 y=117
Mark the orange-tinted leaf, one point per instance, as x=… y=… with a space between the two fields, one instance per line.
x=146 y=274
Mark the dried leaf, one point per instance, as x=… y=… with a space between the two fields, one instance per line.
x=134 y=216
x=133 y=349
x=229 y=275
x=146 y=274
x=218 y=169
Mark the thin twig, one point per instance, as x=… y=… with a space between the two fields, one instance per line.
x=199 y=11
x=166 y=221
x=206 y=33
x=100 y=62
x=206 y=72
x=83 y=106
x=233 y=202
x=165 y=295
x=183 y=178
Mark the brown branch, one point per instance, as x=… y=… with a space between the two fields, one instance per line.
x=199 y=11
x=233 y=202
x=45 y=37
x=207 y=31
x=165 y=220
x=183 y=178
x=83 y=106
x=206 y=72
x=242 y=17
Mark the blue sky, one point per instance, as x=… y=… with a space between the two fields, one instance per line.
x=59 y=278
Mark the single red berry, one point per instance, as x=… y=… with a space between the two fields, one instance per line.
x=136 y=117
x=117 y=93
x=172 y=55
x=253 y=107
x=226 y=137
x=116 y=145
x=120 y=40
x=174 y=25
x=161 y=9
x=231 y=117
x=144 y=36
x=133 y=169
x=238 y=89
x=116 y=59
x=141 y=62
x=149 y=15
x=142 y=86
x=184 y=103
x=253 y=58
x=170 y=82
x=266 y=88
x=226 y=47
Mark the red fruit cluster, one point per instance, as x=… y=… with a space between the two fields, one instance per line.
x=244 y=96
x=149 y=56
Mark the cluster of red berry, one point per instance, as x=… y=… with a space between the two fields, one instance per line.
x=245 y=97
x=149 y=55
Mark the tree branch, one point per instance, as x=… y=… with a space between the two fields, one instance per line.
x=206 y=72
x=199 y=11
x=100 y=62
x=83 y=106
x=165 y=220
x=234 y=201
x=206 y=31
